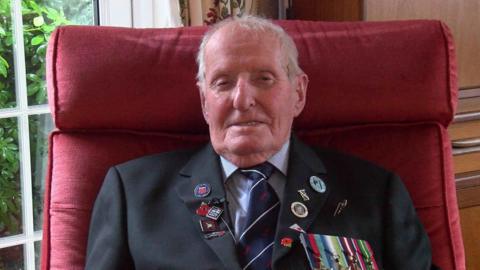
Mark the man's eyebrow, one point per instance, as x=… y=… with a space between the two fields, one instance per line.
x=219 y=74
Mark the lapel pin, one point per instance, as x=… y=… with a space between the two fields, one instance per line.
x=214 y=234
x=214 y=212
x=297 y=228
x=299 y=209
x=317 y=184
x=286 y=242
x=340 y=206
x=202 y=210
x=216 y=201
x=208 y=226
x=304 y=194
x=202 y=190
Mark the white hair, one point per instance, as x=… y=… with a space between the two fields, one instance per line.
x=260 y=26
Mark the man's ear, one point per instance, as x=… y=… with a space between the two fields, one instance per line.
x=201 y=91
x=301 y=84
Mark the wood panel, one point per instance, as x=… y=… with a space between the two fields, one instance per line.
x=464 y=130
x=469 y=93
x=466 y=105
x=468 y=189
x=462 y=16
x=327 y=10
x=470 y=219
x=468 y=162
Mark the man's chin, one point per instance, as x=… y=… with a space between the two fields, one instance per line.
x=246 y=145
x=245 y=152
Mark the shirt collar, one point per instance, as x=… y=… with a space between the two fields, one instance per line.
x=279 y=160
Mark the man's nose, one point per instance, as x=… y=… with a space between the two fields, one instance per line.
x=244 y=95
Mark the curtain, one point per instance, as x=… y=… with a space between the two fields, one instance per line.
x=207 y=12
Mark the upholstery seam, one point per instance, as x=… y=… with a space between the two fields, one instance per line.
x=446 y=199
x=449 y=47
x=54 y=77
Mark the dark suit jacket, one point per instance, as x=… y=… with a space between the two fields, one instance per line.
x=144 y=216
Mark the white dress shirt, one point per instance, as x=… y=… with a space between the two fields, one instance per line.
x=237 y=186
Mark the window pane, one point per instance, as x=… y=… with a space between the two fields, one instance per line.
x=10 y=201
x=40 y=18
x=11 y=258
x=40 y=127
x=38 y=254
x=7 y=82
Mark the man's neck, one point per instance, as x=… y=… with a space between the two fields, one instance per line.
x=279 y=160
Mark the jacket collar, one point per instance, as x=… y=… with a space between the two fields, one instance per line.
x=303 y=164
x=204 y=167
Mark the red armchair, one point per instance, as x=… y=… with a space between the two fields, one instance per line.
x=385 y=91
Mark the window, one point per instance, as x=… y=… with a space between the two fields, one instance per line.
x=25 y=121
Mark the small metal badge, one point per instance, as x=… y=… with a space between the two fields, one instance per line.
x=297 y=228
x=340 y=206
x=202 y=190
x=299 y=209
x=317 y=184
x=202 y=210
x=208 y=226
x=304 y=195
x=286 y=242
x=214 y=234
x=216 y=201
x=214 y=212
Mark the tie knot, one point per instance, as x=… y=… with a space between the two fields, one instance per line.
x=258 y=172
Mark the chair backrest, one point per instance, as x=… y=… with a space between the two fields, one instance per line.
x=385 y=91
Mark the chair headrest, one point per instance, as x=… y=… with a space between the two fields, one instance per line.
x=144 y=79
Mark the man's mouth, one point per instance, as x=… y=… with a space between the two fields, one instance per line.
x=248 y=124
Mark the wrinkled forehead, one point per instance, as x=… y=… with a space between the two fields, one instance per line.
x=234 y=34
x=231 y=37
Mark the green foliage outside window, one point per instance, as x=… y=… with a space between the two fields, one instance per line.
x=39 y=20
x=10 y=204
x=38 y=23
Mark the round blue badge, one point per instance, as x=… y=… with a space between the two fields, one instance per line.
x=317 y=184
x=202 y=190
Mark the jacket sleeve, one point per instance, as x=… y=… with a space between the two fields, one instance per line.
x=107 y=240
x=407 y=243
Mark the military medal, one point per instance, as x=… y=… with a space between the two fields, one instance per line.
x=337 y=252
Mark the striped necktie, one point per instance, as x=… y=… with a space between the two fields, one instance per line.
x=255 y=245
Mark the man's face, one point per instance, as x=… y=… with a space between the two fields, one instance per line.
x=247 y=98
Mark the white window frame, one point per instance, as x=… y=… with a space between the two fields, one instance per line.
x=21 y=112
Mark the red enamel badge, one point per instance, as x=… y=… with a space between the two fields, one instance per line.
x=286 y=242
x=203 y=209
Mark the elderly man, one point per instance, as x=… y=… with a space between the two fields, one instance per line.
x=255 y=197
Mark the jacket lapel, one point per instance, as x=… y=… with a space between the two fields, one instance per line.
x=204 y=168
x=303 y=164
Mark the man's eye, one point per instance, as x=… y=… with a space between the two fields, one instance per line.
x=265 y=79
x=221 y=84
